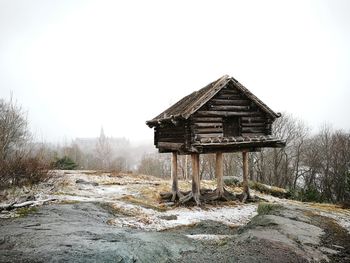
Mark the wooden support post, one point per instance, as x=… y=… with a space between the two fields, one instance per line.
x=219 y=173
x=245 y=176
x=174 y=187
x=195 y=178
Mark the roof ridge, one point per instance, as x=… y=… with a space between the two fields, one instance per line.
x=194 y=106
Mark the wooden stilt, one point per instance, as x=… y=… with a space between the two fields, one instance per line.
x=195 y=178
x=245 y=176
x=195 y=193
x=220 y=192
x=175 y=186
x=219 y=174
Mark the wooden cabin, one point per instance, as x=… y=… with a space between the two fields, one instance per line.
x=222 y=117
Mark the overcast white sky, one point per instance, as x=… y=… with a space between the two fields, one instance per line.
x=77 y=65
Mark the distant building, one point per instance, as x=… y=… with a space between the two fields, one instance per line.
x=88 y=145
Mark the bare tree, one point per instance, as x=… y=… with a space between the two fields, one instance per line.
x=183 y=166
x=232 y=164
x=328 y=165
x=20 y=163
x=283 y=167
x=207 y=166
x=120 y=164
x=14 y=131
x=156 y=165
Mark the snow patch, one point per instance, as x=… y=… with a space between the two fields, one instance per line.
x=342 y=219
x=208 y=237
x=151 y=220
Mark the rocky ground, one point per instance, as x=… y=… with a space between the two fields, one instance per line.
x=94 y=217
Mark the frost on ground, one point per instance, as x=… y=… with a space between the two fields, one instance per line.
x=134 y=200
x=208 y=237
x=149 y=219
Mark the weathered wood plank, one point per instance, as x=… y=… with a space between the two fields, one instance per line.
x=170 y=145
x=229 y=108
x=171 y=131
x=176 y=194
x=176 y=140
x=208 y=125
x=249 y=134
x=228 y=97
x=219 y=172
x=245 y=175
x=227 y=114
x=209 y=135
x=251 y=119
x=238 y=102
x=172 y=140
x=181 y=128
x=188 y=135
x=208 y=130
x=254 y=124
x=171 y=134
x=174 y=187
x=195 y=178
x=244 y=145
x=207 y=119
x=229 y=92
x=253 y=130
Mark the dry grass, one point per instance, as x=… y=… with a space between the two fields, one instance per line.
x=24 y=211
x=144 y=203
x=329 y=207
x=152 y=192
x=267 y=208
x=120 y=210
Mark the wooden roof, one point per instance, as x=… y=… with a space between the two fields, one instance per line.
x=188 y=105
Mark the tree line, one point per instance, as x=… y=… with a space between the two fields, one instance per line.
x=312 y=166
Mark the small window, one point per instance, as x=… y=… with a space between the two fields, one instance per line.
x=232 y=126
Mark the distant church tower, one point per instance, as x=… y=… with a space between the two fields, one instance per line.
x=103 y=150
x=102 y=134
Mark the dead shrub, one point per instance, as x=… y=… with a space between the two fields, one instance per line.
x=23 y=170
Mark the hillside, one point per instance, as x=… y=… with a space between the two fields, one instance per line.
x=89 y=216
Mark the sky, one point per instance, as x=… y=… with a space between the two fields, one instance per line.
x=76 y=66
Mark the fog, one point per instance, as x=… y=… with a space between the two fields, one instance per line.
x=77 y=66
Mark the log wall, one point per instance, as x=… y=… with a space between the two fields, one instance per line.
x=208 y=121
x=170 y=133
